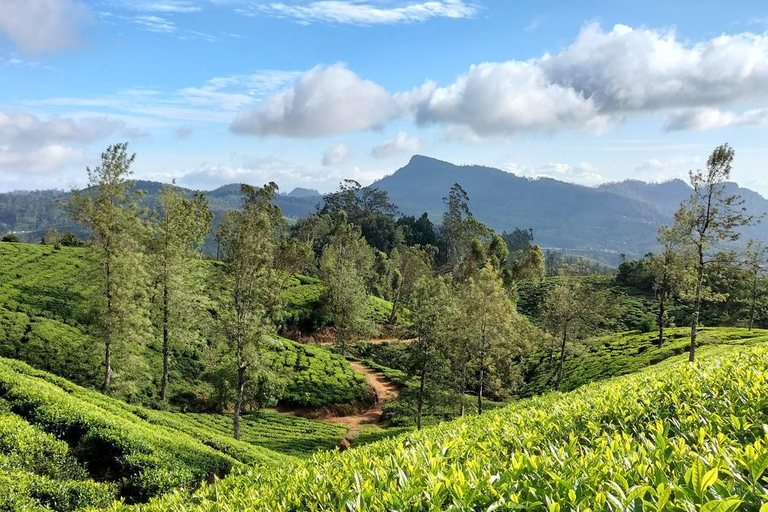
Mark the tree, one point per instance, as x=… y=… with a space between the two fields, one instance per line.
x=249 y=239
x=491 y=325
x=120 y=281
x=409 y=264
x=459 y=228
x=756 y=255
x=518 y=240
x=11 y=238
x=434 y=320
x=709 y=219
x=419 y=231
x=572 y=311
x=344 y=266
x=370 y=209
x=175 y=248
x=669 y=273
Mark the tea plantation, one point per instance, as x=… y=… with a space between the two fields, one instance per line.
x=64 y=447
x=44 y=322
x=692 y=437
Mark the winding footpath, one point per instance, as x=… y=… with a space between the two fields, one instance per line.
x=384 y=390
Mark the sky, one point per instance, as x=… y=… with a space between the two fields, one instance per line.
x=309 y=92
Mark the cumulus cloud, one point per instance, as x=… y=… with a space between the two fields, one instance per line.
x=356 y=12
x=336 y=155
x=43 y=25
x=582 y=173
x=403 y=143
x=602 y=78
x=325 y=101
x=33 y=145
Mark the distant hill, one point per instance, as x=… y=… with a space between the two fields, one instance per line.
x=30 y=214
x=600 y=221
x=603 y=222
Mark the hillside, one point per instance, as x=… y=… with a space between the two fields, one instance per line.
x=30 y=214
x=65 y=447
x=605 y=221
x=674 y=446
x=44 y=321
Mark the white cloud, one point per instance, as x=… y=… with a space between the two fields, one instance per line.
x=336 y=155
x=326 y=101
x=602 y=78
x=43 y=160
x=504 y=99
x=582 y=173
x=709 y=118
x=402 y=143
x=664 y=169
x=31 y=146
x=43 y=25
x=155 y=24
x=372 y=12
x=215 y=101
x=26 y=130
x=171 y=6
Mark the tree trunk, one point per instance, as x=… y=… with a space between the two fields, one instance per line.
x=754 y=301
x=420 y=401
x=562 y=360
x=108 y=330
x=463 y=388
x=164 y=383
x=481 y=380
x=697 y=307
x=662 y=301
x=239 y=400
x=108 y=365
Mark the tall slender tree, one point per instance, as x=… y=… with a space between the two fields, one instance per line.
x=435 y=315
x=756 y=261
x=175 y=246
x=111 y=211
x=670 y=270
x=572 y=311
x=491 y=324
x=249 y=240
x=709 y=219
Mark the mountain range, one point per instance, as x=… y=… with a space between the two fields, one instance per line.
x=603 y=221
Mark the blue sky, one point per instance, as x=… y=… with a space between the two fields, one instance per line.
x=306 y=93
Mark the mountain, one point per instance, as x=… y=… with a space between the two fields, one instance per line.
x=603 y=221
x=304 y=192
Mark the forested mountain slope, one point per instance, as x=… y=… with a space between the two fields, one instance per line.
x=610 y=219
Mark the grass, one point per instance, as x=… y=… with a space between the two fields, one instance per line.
x=675 y=437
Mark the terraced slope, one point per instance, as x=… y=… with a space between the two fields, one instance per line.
x=675 y=437
x=44 y=321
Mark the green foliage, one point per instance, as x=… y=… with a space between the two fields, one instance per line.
x=44 y=317
x=621 y=353
x=671 y=447
x=90 y=435
x=318 y=377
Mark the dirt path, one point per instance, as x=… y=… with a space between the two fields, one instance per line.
x=384 y=390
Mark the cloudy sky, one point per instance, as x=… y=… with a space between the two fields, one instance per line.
x=307 y=92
